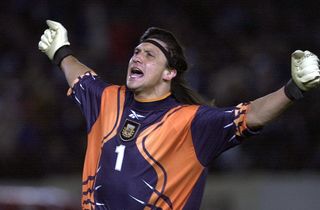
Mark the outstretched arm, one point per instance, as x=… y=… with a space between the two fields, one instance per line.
x=265 y=109
x=72 y=69
x=305 y=76
x=54 y=43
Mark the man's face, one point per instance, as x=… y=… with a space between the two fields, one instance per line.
x=146 y=69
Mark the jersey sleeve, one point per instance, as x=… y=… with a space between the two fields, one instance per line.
x=215 y=130
x=86 y=92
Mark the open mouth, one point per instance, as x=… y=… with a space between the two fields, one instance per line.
x=136 y=73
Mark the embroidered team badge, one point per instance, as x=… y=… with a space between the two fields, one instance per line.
x=129 y=130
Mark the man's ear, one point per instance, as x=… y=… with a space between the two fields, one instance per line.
x=169 y=74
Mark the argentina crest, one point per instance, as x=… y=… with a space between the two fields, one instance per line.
x=129 y=130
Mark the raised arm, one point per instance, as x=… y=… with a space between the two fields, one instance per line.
x=305 y=76
x=265 y=109
x=54 y=43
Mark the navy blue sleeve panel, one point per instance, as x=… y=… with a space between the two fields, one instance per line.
x=216 y=130
x=87 y=92
x=194 y=201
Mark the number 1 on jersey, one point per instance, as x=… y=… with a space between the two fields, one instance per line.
x=120 y=151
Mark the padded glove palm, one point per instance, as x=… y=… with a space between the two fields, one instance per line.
x=305 y=70
x=53 y=39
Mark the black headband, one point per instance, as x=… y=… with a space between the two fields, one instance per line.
x=165 y=52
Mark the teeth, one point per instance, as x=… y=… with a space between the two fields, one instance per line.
x=136 y=73
x=135 y=70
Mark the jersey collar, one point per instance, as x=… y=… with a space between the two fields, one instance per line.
x=156 y=104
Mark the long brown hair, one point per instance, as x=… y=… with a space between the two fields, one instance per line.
x=175 y=60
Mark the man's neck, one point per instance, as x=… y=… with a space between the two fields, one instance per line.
x=151 y=98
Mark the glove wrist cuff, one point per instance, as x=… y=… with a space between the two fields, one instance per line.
x=61 y=53
x=292 y=91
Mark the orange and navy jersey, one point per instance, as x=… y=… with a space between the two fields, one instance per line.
x=149 y=155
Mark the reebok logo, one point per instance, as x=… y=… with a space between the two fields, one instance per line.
x=134 y=115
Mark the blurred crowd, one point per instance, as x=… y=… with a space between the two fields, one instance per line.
x=237 y=51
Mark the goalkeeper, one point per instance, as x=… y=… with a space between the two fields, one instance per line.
x=150 y=141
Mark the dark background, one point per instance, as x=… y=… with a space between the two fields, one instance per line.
x=237 y=51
